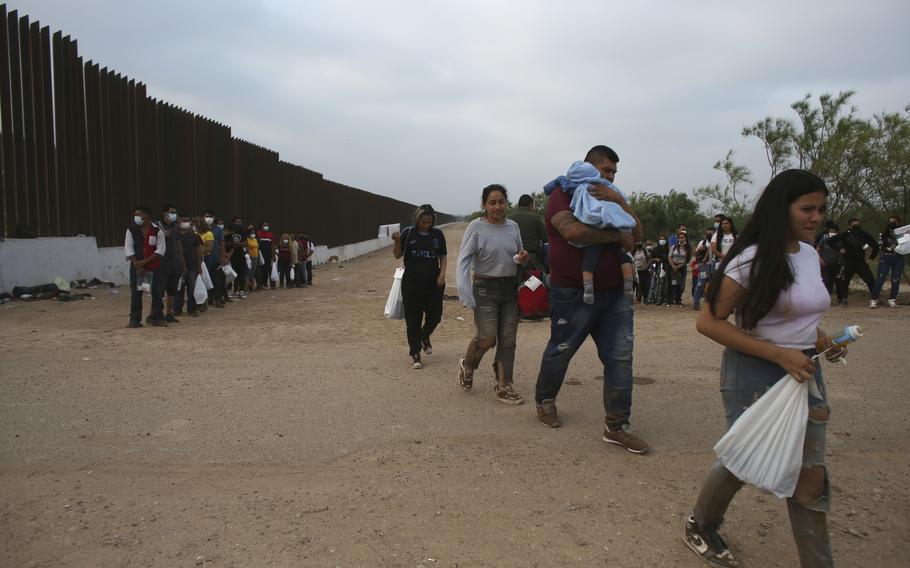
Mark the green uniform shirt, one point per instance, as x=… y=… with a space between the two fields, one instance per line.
x=533 y=232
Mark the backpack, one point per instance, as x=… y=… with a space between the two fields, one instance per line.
x=829 y=254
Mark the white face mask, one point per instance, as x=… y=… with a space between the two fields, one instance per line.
x=221 y=227
x=832 y=233
x=184 y=226
x=265 y=227
x=171 y=217
x=661 y=242
x=137 y=219
x=209 y=220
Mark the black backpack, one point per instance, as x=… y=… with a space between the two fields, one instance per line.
x=829 y=254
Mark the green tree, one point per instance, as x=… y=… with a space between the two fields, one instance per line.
x=864 y=163
x=730 y=199
x=663 y=213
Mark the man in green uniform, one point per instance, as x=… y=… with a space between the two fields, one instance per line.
x=533 y=231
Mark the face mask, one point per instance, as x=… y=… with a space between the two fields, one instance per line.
x=184 y=226
x=209 y=220
x=252 y=236
x=171 y=217
x=832 y=234
x=716 y=226
x=221 y=227
x=661 y=242
x=265 y=227
x=137 y=219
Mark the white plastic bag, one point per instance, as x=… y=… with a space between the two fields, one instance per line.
x=199 y=292
x=292 y=274
x=394 y=306
x=249 y=262
x=206 y=277
x=229 y=274
x=764 y=447
x=144 y=284
x=903 y=244
x=274 y=274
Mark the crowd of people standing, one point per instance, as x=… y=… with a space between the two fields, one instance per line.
x=843 y=254
x=169 y=255
x=662 y=269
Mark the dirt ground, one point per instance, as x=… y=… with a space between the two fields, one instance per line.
x=288 y=430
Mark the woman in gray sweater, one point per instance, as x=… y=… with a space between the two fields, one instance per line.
x=491 y=246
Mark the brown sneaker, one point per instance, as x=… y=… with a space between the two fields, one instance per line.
x=623 y=437
x=546 y=413
x=507 y=394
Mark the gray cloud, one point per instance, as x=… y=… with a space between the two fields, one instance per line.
x=430 y=101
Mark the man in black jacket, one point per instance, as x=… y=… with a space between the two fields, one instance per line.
x=853 y=243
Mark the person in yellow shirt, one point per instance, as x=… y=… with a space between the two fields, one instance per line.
x=252 y=247
x=208 y=244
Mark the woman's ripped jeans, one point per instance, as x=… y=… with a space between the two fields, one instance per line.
x=743 y=380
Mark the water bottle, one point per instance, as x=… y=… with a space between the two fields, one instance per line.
x=850 y=334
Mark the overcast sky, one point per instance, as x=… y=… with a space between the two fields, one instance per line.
x=430 y=101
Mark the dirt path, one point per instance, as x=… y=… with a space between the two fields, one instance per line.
x=288 y=430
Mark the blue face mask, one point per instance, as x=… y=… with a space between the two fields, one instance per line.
x=172 y=217
x=137 y=219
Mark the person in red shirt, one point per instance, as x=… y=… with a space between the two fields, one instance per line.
x=144 y=246
x=608 y=320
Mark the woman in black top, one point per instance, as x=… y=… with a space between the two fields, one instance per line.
x=423 y=247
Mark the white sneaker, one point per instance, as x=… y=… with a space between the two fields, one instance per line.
x=892 y=303
x=873 y=304
x=415 y=362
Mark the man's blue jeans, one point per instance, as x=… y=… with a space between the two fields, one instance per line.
x=895 y=264
x=609 y=323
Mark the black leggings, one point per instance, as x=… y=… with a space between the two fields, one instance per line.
x=858 y=267
x=284 y=273
x=422 y=311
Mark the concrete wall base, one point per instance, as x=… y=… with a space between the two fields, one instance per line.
x=30 y=262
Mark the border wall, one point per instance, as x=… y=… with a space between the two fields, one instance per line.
x=81 y=145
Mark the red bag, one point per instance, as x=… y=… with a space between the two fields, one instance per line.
x=533 y=303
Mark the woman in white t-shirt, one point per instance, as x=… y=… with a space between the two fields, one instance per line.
x=770 y=278
x=723 y=239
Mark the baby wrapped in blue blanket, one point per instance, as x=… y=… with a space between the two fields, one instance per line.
x=596 y=213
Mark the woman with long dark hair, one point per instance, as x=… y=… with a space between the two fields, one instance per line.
x=771 y=279
x=492 y=247
x=678 y=259
x=723 y=239
x=423 y=247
